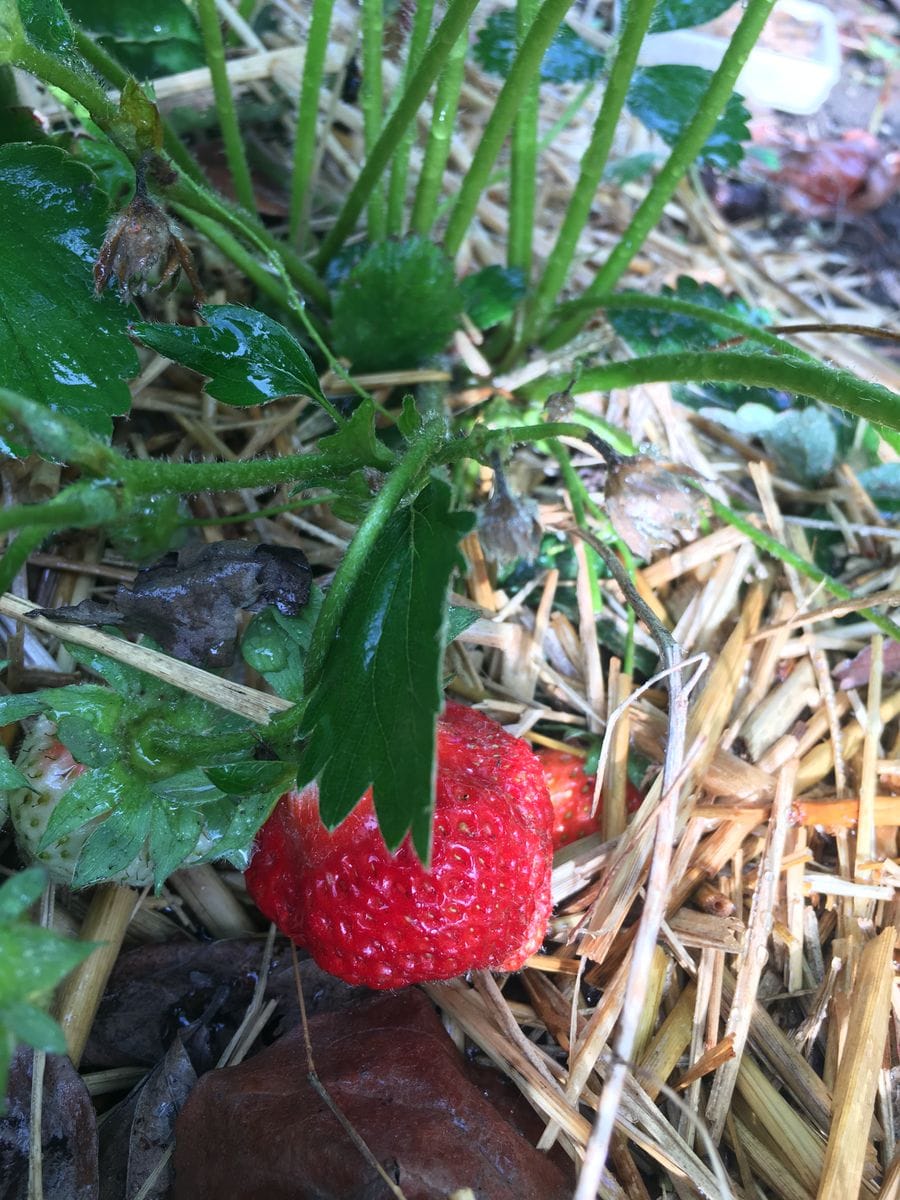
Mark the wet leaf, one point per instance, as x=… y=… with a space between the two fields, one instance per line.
x=356 y=443
x=491 y=294
x=150 y=40
x=569 y=58
x=189 y=601
x=396 y=307
x=58 y=344
x=276 y=646
x=372 y=712
x=246 y=356
x=47 y=26
x=69 y=1163
x=660 y=331
x=396 y=1075
x=665 y=99
x=684 y=14
x=803 y=443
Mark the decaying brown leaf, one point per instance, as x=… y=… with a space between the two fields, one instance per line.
x=189 y=600
x=68 y=1132
x=261 y=1129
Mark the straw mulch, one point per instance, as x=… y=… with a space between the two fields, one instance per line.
x=766 y=1051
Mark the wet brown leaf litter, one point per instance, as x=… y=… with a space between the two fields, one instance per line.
x=763 y=1047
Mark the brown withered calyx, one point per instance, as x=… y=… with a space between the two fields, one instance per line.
x=143 y=244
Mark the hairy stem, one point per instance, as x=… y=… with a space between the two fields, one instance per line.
x=445 y=37
x=371 y=101
x=523 y=173
x=804 y=377
x=443 y=118
x=308 y=115
x=637 y=18
x=683 y=154
x=396 y=209
x=228 y=122
x=525 y=67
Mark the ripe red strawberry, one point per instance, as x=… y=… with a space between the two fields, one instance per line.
x=381 y=919
x=572 y=794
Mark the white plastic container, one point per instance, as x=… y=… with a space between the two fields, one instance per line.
x=791 y=82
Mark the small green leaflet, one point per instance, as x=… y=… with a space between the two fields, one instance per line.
x=491 y=294
x=396 y=307
x=660 y=331
x=59 y=344
x=569 y=58
x=276 y=646
x=34 y=961
x=162 y=38
x=665 y=100
x=372 y=712
x=246 y=356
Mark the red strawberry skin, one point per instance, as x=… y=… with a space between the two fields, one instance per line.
x=382 y=920
x=572 y=795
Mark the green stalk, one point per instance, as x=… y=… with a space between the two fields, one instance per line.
x=801 y=376
x=400 y=168
x=443 y=118
x=442 y=42
x=578 y=497
x=372 y=100
x=396 y=486
x=770 y=545
x=17 y=554
x=525 y=68
x=155 y=478
x=683 y=154
x=308 y=116
x=637 y=18
x=89 y=505
x=231 y=133
x=523 y=169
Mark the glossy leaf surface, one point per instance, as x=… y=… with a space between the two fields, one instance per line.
x=149 y=39
x=59 y=344
x=246 y=356
x=371 y=715
x=665 y=99
x=569 y=58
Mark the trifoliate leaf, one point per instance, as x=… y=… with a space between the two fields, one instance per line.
x=246 y=356
x=372 y=713
x=397 y=306
x=569 y=58
x=159 y=39
x=59 y=344
x=803 y=443
x=491 y=294
x=665 y=99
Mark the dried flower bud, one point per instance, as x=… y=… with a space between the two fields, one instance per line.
x=142 y=244
x=651 y=505
x=508 y=524
x=559 y=406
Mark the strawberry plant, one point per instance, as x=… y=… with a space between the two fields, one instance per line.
x=347 y=303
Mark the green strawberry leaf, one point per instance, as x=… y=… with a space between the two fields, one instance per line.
x=59 y=344
x=276 y=646
x=491 y=294
x=47 y=26
x=20 y=891
x=33 y=1026
x=356 y=443
x=372 y=711
x=458 y=621
x=91 y=794
x=161 y=40
x=174 y=830
x=803 y=443
x=116 y=840
x=684 y=14
x=396 y=307
x=660 y=331
x=246 y=356
x=665 y=99
x=17 y=708
x=569 y=58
